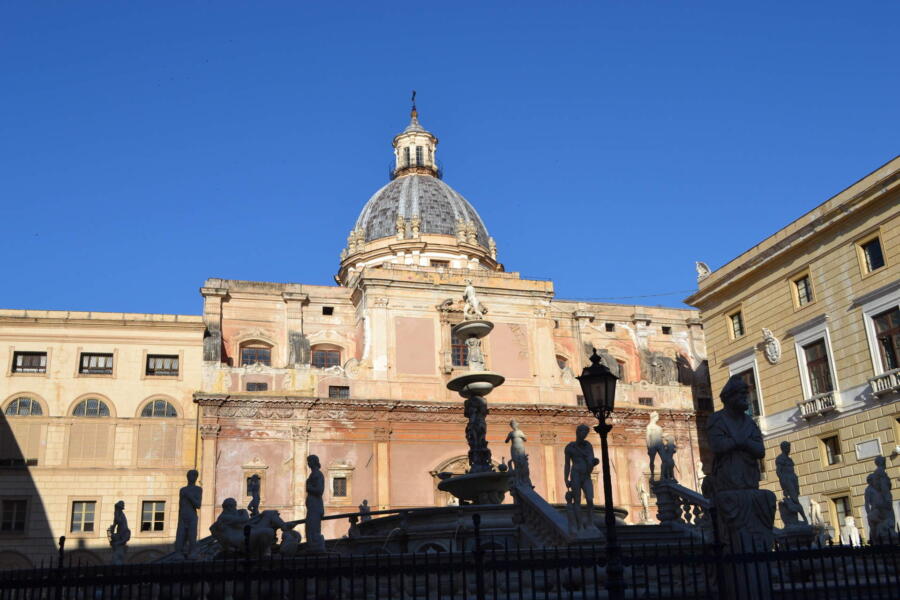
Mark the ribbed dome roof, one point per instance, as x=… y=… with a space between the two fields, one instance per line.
x=438 y=206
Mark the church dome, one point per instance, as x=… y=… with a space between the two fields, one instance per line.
x=439 y=208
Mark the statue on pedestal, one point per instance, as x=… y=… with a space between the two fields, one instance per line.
x=228 y=528
x=189 y=499
x=475 y=408
x=579 y=465
x=253 y=489
x=473 y=308
x=667 y=456
x=879 y=504
x=516 y=437
x=315 y=508
x=850 y=532
x=364 y=511
x=474 y=355
x=644 y=496
x=119 y=534
x=790 y=508
x=654 y=442
x=746 y=513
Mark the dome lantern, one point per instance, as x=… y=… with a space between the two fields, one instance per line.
x=415 y=149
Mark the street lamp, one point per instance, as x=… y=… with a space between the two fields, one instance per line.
x=598 y=384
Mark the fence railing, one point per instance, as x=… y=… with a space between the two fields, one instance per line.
x=492 y=571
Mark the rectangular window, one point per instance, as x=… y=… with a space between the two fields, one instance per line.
x=666 y=330
x=339 y=487
x=252 y=356
x=162 y=365
x=803 y=288
x=96 y=364
x=459 y=352
x=29 y=362
x=406 y=156
x=737 y=324
x=326 y=358
x=832 y=448
x=817 y=367
x=82 y=516
x=327 y=310
x=12 y=515
x=341 y=392
x=153 y=515
x=420 y=157
x=610 y=327
x=256 y=386
x=842 y=510
x=749 y=378
x=887 y=334
x=440 y=264
x=645 y=401
x=873 y=257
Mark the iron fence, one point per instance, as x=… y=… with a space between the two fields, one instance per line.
x=489 y=572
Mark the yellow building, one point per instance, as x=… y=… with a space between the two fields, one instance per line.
x=100 y=409
x=810 y=317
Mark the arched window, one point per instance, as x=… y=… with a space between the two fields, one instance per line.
x=159 y=408
x=326 y=355
x=459 y=351
x=23 y=407
x=253 y=353
x=91 y=407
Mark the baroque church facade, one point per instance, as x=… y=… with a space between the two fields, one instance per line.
x=100 y=407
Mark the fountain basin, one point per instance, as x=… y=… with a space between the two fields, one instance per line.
x=476 y=328
x=479 y=488
x=475 y=383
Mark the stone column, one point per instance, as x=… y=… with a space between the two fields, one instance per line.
x=300 y=434
x=297 y=343
x=382 y=467
x=209 y=435
x=548 y=439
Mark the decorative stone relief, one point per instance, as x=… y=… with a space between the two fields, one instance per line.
x=300 y=432
x=209 y=431
x=703 y=271
x=771 y=346
x=549 y=437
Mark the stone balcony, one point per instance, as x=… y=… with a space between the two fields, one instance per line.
x=817 y=405
x=885 y=383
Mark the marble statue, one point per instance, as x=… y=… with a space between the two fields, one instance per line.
x=815 y=513
x=703 y=270
x=290 y=542
x=879 y=504
x=790 y=508
x=228 y=528
x=473 y=308
x=253 y=489
x=654 y=441
x=667 y=459
x=644 y=496
x=698 y=470
x=189 y=499
x=516 y=438
x=579 y=465
x=850 y=533
x=746 y=513
x=119 y=534
x=475 y=409
x=474 y=355
x=315 y=509
x=364 y=511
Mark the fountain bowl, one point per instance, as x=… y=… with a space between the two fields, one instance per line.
x=476 y=328
x=475 y=383
x=487 y=487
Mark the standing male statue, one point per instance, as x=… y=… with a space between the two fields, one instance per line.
x=119 y=534
x=667 y=459
x=579 y=465
x=790 y=508
x=315 y=508
x=882 y=524
x=253 y=488
x=189 y=498
x=654 y=442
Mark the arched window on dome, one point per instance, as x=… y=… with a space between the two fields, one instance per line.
x=91 y=407
x=420 y=158
x=23 y=407
x=406 y=156
x=256 y=352
x=326 y=355
x=159 y=408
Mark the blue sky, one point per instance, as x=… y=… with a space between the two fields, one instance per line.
x=147 y=146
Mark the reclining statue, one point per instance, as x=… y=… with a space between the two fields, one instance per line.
x=228 y=530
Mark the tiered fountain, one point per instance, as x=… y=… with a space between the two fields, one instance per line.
x=481 y=484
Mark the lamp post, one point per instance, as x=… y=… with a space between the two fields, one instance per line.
x=598 y=384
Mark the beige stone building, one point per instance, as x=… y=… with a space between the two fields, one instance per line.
x=97 y=407
x=355 y=373
x=810 y=317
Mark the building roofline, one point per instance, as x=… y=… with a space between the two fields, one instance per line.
x=825 y=214
x=19 y=316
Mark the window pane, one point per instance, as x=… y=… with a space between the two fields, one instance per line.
x=326 y=358
x=91 y=408
x=817 y=367
x=804 y=291
x=339 y=486
x=737 y=324
x=748 y=378
x=459 y=352
x=887 y=332
x=252 y=356
x=873 y=255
